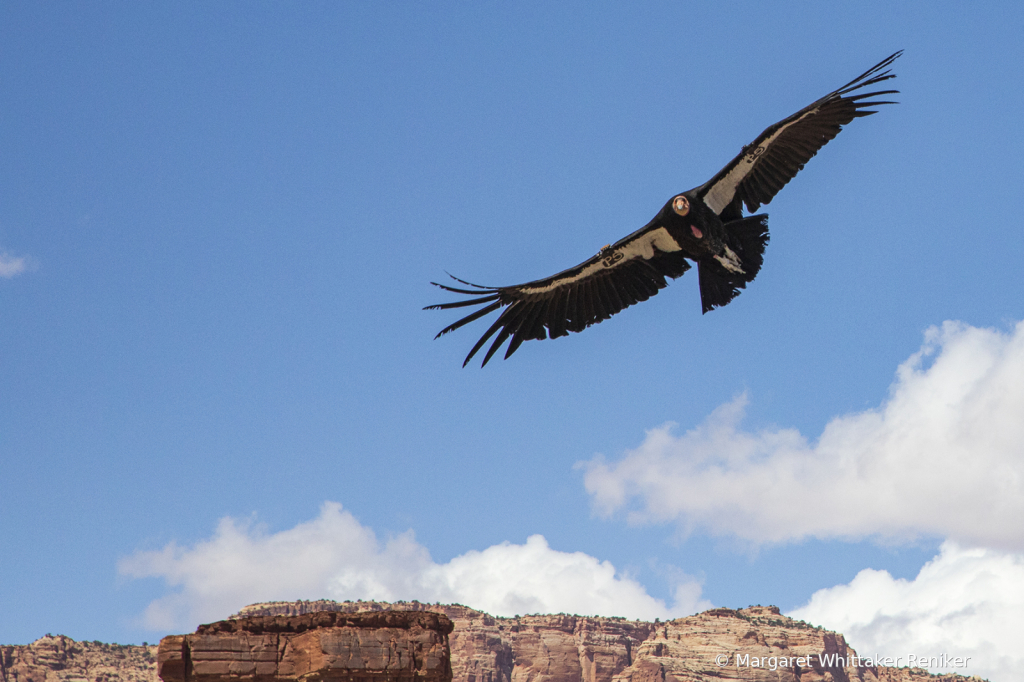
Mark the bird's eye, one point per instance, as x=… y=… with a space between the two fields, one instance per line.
x=681 y=205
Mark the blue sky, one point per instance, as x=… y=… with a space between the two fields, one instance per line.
x=218 y=223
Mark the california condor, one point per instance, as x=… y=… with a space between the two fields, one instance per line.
x=705 y=224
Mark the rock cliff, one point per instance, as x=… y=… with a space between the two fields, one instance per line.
x=757 y=643
x=62 y=659
x=484 y=648
x=388 y=646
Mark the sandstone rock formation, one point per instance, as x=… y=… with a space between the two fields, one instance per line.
x=382 y=646
x=483 y=648
x=62 y=659
x=565 y=648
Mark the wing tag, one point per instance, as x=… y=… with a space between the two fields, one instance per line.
x=612 y=258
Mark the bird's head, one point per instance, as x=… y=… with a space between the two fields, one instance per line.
x=680 y=210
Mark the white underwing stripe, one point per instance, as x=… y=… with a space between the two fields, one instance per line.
x=645 y=246
x=722 y=192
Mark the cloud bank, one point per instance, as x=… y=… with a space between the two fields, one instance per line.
x=334 y=556
x=942 y=456
x=965 y=602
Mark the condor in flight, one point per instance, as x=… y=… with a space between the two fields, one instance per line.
x=705 y=225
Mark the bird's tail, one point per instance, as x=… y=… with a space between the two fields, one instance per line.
x=722 y=277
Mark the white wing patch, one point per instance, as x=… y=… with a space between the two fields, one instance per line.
x=722 y=193
x=644 y=247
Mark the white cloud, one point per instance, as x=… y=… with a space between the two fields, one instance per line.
x=334 y=556
x=507 y=579
x=942 y=456
x=11 y=266
x=962 y=603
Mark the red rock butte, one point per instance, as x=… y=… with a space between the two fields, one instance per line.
x=328 y=646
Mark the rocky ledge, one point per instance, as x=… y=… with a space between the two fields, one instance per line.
x=382 y=646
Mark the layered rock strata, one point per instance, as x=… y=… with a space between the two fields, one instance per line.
x=482 y=649
x=62 y=659
x=757 y=643
x=381 y=646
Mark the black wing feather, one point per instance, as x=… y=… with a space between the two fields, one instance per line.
x=469 y=318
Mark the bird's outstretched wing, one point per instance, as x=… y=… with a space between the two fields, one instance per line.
x=780 y=152
x=631 y=270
